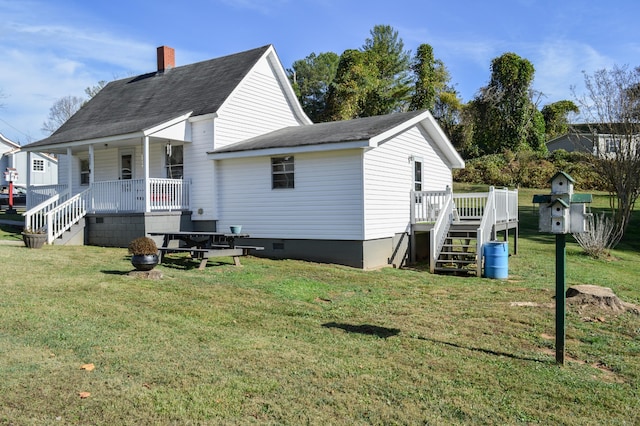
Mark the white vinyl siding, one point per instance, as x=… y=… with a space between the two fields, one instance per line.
x=258 y=106
x=389 y=179
x=201 y=171
x=326 y=202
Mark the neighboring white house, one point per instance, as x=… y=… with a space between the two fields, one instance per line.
x=596 y=139
x=225 y=142
x=43 y=168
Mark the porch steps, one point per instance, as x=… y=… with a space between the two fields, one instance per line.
x=74 y=236
x=458 y=255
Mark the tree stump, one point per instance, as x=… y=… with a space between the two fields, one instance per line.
x=593 y=296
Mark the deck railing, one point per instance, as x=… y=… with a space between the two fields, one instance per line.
x=59 y=212
x=440 y=229
x=443 y=208
x=426 y=205
x=38 y=194
x=65 y=215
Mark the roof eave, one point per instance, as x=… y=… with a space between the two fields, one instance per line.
x=267 y=152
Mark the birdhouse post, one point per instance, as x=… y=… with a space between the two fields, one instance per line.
x=560 y=213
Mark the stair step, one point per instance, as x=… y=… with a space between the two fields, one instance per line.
x=457 y=262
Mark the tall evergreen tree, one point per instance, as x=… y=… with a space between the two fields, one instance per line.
x=311 y=78
x=390 y=64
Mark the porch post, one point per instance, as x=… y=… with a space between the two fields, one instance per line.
x=145 y=166
x=91 y=163
x=70 y=171
x=29 y=167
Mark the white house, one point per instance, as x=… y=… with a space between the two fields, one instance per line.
x=225 y=142
x=41 y=168
x=602 y=140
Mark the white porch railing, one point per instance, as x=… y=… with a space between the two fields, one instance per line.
x=486 y=230
x=59 y=212
x=128 y=195
x=439 y=231
x=38 y=194
x=65 y=215
x=443 y=208
x=426 y=205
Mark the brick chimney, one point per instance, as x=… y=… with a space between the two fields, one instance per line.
x=166 y=58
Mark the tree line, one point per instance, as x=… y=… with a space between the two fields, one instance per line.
x=382 y=77
x=502 y=130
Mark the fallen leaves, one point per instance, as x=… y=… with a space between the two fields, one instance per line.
x=84 y=395
x=87 y=367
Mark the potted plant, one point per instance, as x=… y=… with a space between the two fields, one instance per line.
x=144 y=253
x=34 y=238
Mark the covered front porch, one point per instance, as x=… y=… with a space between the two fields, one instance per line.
x=52 y=208
x=140 y=172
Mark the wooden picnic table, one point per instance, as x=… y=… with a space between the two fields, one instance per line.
x=203 y=245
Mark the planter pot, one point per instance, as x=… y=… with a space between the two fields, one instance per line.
x=34 y=240
x=144 y=262
x=235 y=229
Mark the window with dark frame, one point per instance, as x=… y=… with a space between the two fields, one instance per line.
x=174 y=162
x=38 y=165
x=612 y=145
x=282 y=172
x=84 y=172
x=417 y=175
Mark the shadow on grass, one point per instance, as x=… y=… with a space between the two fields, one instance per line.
x=485 y=351
x=373 y=330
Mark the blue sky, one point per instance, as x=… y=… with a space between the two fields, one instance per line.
x=52 y=49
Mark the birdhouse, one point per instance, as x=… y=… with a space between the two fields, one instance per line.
x=578 y=218
x=560 y=216
x=562 y=211
x=561 y=183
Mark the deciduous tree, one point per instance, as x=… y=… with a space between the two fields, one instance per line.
x=504 y=114
x=556 y=117
x=610 y=107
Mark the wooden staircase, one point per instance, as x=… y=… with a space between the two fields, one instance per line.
x=458 y=255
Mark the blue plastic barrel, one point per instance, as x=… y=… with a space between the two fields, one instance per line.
x=496 y=259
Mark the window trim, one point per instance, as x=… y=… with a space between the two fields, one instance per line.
x=418 y=180
x=285 y=178
x=40 y=169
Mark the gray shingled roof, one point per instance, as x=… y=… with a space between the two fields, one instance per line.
x=359 y=129
x=133 y=104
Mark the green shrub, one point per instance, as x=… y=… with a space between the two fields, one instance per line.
x=531 y=169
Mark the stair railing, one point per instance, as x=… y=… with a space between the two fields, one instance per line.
x=486 y=228
x=64 y=216
x=35 y=217
x=438 y=233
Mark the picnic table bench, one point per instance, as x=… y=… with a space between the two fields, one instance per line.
x=203 y=245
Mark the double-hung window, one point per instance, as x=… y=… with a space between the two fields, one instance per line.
x=282 y=172
x=37 y=165
x=173 y=162
x=417 y=175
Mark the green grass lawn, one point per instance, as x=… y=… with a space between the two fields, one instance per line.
x=289 y=342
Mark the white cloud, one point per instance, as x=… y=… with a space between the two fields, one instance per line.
x=559 y=66
x=44 y=62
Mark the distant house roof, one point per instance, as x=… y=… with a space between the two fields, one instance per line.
x=359 y=132
x=134 y=104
